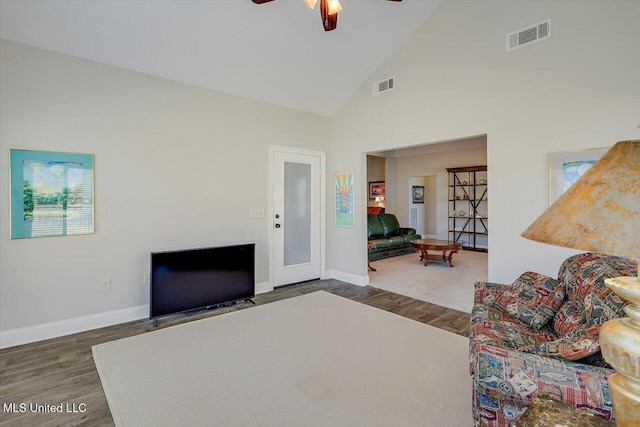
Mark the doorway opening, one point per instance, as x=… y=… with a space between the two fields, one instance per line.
x=417 y=194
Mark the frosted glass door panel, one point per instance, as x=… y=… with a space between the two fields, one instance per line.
x=297 y=213
x=297 y=216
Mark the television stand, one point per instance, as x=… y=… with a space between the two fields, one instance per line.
x=211 y=307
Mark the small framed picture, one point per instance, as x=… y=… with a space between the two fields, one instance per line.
x=566 y=167
x=376 y=189
x=417 y=194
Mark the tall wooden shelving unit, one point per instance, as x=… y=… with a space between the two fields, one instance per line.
x=468 y=198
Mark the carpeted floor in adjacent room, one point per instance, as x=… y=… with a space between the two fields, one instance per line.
x=437 y=283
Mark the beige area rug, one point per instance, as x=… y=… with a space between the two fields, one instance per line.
x=312 y=360
x=436 y=283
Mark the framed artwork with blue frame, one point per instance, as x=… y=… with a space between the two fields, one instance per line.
x=566 y=167
x=51 y=194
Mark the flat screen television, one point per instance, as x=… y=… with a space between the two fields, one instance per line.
x=197 y=279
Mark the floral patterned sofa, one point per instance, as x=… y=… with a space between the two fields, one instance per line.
x=540 y=336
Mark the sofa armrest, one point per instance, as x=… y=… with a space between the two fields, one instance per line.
x=485 y=292
x=518 y=377
x=529 y=277
x=404 y=231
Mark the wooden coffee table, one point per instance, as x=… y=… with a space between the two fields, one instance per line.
x=424 y=245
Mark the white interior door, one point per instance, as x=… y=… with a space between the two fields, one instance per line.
x=296 y=217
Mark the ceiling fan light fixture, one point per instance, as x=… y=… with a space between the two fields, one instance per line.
x=334 y=6
x=328 y=11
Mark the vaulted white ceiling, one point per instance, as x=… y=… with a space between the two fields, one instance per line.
x=276 y=52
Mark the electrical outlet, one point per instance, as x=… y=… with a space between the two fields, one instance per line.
x=147 y=279
x=106 y=285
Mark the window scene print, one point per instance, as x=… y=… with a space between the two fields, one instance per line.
x=51 y=194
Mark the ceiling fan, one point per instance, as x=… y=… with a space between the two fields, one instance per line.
x=328 y=11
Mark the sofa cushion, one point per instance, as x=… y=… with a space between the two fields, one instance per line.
x=533 y=299
x=605 y=305
x=573 y=346
x=496 y=328
x=584 y=275
x=382 y=243
x=374 y=228
x=569 y=318
x=396 y=240
x=390 y=224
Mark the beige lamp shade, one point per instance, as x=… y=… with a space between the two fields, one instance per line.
x=601 y=211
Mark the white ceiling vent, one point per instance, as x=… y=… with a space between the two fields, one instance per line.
x=383 y=86
x=529 y=35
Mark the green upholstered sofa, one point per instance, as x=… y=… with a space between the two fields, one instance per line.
x=389 y=237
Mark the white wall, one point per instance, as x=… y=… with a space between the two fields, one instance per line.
x=175 y=167
x=580 y=89
x=375 y=172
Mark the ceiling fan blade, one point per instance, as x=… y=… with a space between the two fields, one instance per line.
x=330 y=22
x=261 y=1
x=395 y=0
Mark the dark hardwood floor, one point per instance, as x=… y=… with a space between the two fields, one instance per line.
x=61 y=370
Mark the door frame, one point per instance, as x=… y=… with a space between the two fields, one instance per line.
x=271 y=211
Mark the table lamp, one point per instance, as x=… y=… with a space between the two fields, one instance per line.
x=601 y=213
